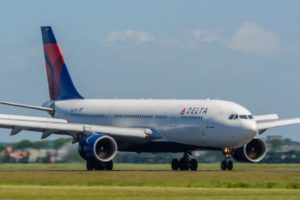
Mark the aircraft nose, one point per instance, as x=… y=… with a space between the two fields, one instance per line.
x=250 y=128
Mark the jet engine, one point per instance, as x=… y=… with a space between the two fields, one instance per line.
x=253 y=152
x=97 y=147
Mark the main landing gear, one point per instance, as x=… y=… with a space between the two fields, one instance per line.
x=97 y=165
x=227 y=163
x=185 y=163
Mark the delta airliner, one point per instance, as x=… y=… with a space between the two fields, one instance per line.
x=103 y=127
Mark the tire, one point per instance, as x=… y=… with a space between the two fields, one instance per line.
x=109 y=165
x=99 y=166
x=89 y=166
x=193 y=165
x=175 y=164
x=223 y=165
x=229 y=165
x=183 y=164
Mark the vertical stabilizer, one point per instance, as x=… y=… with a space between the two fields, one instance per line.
x=60 y=84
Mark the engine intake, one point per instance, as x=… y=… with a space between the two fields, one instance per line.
x=253 y=152
x=98 y=147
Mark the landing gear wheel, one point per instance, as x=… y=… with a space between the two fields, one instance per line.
x=175 y=164
x=109 y=165
x=183 y=164
x=223 y=165
x=229 y=165
x=99 y=166
x=193 y=165
x=89 y=166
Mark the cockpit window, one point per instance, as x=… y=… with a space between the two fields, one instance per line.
x=243 y=117
x=233 y=116
x=236 y=116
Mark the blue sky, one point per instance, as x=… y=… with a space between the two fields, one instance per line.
x=243 y=51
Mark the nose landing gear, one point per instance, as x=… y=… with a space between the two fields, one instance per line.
x=227 y=163
x=185 y=163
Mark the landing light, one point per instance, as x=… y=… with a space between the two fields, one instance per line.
x=227 y=151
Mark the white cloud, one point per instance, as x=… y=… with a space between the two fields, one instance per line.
x=190 y=39
x=139 y=37
x=249 y=38
x=205 y=35
x=253 y=39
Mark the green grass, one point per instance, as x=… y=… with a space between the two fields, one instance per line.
x=140 y=181
x=132 y=193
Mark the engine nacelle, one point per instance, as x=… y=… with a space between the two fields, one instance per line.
x=253 y=152
x=98 y=147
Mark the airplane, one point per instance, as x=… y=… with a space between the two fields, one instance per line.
x=102 y=127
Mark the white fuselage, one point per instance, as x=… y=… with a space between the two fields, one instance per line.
x=202 y=123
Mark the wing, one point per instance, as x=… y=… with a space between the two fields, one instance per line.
x=272 y=122
x=42 y=108
x=262 y=118
x=49 y=126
